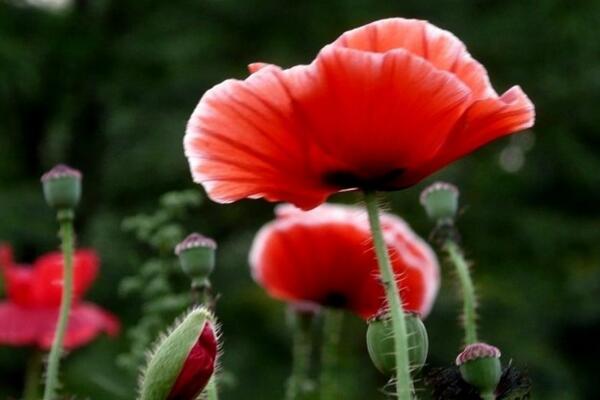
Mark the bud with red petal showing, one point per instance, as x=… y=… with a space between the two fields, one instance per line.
x=184 y=360
x=62 y=187
x=197 y=257
x=479 y=365
x=380 y=342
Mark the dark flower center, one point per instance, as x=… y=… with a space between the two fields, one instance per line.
x=348 y=179
x=335 y=300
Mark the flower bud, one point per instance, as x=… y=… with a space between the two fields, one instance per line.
x=62 y=187
x=197 y=257
x=440 y=201
x=479 y=365
x=184 y=360
x=380 y=342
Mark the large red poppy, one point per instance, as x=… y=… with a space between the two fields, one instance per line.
x=381 y=108
x=29 y=315
x=325 y=256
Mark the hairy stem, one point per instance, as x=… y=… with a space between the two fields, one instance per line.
x=299 y=382
x=332 y=332
x=32 y=376
x=65 y=218
x=211 y=389
x=469 y=303
x=404 y=384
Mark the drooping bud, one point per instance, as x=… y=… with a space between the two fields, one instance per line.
x=479 y=365
x=197 y=257
x=440 y=201
x=62 y=187
x=184 y=360
x=380 y=342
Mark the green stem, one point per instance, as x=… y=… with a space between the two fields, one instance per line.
x=404 y=384
x=299 y=382
x=488 y=396
x=65 y=218
x=211 y=389
x=332 y=332
x=462 y=269
x=32 y=376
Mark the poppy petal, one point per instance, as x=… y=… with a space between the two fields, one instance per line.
x=376 y=114
x=6 y=256
x=19 y=285
x=484 y=121
x=439 y=47
x=243 y=141
x=48 y=277
x=325 y=257
x=23 y=326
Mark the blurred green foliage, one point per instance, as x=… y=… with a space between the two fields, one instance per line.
x=107 y=86
x=158 y=287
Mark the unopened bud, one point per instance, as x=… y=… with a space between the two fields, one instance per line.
x=197 y=257
x=184 y=360
x=380 y=343
x=62 y=187
x=440 y=201
x=479 y=365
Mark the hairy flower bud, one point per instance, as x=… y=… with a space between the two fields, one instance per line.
x=62 y=187
x=440 y=201
x=184 y=360
x=197 y=257
x=479 y=365
x=380 y=342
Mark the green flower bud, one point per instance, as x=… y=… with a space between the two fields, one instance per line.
x=440 y=201
x=380 y=342
x=183 y=361
x=197 y=257
x=479 y=365
x=62 y=187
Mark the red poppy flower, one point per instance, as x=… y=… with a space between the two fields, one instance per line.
x=325 y=256
x=381 y=108
x=29 y=315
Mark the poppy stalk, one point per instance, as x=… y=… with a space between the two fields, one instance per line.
x=196 y=255
x=333 y=321
x=441 y=203
x=301 y=319
x=62 y=190
x=404 y=384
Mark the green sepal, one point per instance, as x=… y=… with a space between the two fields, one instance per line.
x=167 y=360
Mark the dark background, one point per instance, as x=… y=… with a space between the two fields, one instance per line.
x=107 y=86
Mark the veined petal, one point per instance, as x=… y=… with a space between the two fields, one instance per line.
x=377 y=114
x=439 y=47
x=244 y=140
x=484 y=121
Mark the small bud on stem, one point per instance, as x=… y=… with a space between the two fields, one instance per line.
x=381 y=345
x=62 y=187
x=479 y=365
